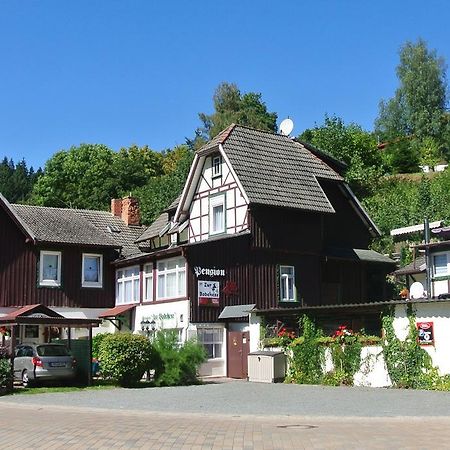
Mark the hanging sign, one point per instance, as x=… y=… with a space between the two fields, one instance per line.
x=208 y=293
x=426 y=334
x=210 y=272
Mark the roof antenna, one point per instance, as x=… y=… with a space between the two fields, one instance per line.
x=286 y=127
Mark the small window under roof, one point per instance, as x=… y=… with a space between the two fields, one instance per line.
x=113 y=228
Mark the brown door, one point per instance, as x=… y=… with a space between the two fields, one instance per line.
x=238 y=348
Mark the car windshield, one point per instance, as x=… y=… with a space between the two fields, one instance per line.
x=52 y=350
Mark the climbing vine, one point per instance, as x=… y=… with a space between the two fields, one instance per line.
x=408 y=364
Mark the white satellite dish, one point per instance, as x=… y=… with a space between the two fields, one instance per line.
x=286 y=126
x=416 y=290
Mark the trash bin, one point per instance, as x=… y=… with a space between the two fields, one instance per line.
x=266 y=366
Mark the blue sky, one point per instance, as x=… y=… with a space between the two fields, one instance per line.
x=121 y=72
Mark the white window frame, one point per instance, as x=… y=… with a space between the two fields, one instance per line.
x=178 y=269
x=123 y=280
x=148 y=275
x=217 y=200
x=216 y=166
x=284 y=281
x=93 y=284
x=447 y=272
x=49 y=282
x=212 y=343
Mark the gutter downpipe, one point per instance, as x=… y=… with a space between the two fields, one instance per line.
x=426 y=227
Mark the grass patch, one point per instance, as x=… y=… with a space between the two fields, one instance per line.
x=98 y=385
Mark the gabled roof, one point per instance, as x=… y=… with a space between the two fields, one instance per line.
x=48 y=225
x=155 y=228
x=273 y=169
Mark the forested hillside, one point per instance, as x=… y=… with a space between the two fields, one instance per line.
x=412 y=130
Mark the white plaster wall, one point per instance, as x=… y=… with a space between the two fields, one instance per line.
x=255 y=332
x=179 y=309
x=439 y=314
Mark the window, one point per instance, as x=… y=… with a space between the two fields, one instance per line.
x=92 y=270
x=171 y=278
x=440 y=264
x=287 y=284
x=127 y=285
x=212 y=340
x=217 y=166
x=50 y=269
x=148 y=283
x=217 y=214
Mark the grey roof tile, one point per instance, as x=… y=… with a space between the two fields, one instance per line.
x=276 y=170
x=154 y=229
x=416 y=266
x=79 y=226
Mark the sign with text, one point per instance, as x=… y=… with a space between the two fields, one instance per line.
x=210 y=272
x=426 y=335
x=208 y=293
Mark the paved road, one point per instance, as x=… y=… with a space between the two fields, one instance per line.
x=236 y=415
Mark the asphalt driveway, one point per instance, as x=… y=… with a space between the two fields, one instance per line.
x=245 y=398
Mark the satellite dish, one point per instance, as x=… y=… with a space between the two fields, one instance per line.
x=416 y=290
x=286 y=126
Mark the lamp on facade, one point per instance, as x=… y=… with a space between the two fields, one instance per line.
x=148 y=327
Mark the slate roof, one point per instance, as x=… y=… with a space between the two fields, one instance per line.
x=78 y=226
x=274 y=169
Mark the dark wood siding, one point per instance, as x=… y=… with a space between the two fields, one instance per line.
x=285 y=229
x=19 y=273
x=253 y=272
x=344 y=228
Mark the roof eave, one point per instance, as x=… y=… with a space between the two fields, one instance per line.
x=16 y=219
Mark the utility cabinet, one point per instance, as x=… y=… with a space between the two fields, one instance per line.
x=266 y=366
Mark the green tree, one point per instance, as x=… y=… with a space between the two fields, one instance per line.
x=352 y=145
x=230 y=105
x=16 y=180
x=82 y=177
x=417 y=109
x=160 y=192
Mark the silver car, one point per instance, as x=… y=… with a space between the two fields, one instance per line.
x=39 y=362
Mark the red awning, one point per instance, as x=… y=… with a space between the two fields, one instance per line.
x=116 y=311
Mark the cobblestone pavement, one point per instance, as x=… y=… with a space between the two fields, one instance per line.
x=50 y=427
x=236 y=415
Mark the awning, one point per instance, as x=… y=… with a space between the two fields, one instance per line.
x=236 y=311
x=358 y=254
x=116 y=311
x=43 y=315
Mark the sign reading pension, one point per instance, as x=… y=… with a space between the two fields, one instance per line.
x=210 y=272
x=208 y=293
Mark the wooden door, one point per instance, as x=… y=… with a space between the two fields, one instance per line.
x=238 y=348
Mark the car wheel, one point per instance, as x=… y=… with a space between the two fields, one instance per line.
x=26 y=382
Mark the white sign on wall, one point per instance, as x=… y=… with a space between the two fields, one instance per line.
x=208 y=293
x=209 y=272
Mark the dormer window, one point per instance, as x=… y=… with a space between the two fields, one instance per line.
x=216 y=166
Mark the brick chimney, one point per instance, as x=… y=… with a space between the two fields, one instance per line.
x=131 y=214
x=116 y=207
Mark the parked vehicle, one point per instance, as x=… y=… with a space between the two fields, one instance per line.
x=39 y=362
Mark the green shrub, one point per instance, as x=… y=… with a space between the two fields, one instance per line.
x=5 y=369
x=125 y=357
x=177 y=365
x=96 y=341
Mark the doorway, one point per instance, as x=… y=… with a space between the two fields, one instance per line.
x=238 y=348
